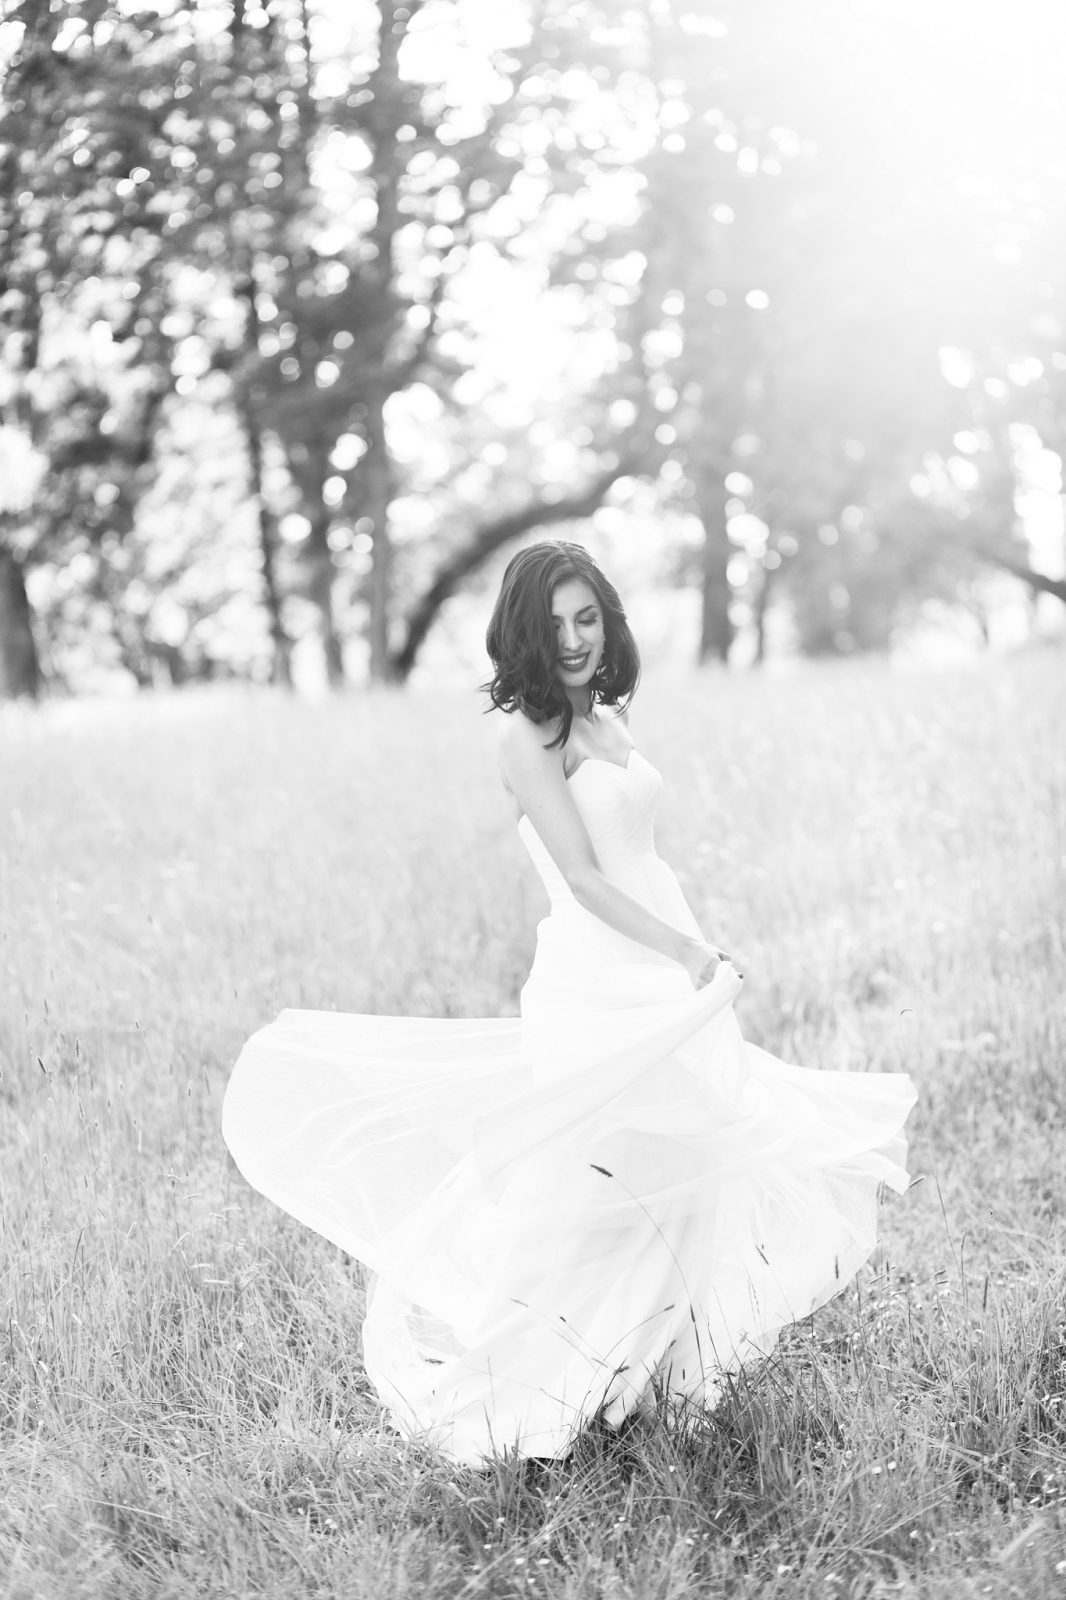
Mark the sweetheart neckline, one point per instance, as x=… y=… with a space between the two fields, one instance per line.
x=603 y=761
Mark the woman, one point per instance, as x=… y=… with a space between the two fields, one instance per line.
x=612 y=1192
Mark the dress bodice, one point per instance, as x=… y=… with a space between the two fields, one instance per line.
x=618 y=806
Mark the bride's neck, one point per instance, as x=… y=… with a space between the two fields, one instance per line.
x=584 y=704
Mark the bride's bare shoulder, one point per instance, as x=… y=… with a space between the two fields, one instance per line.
x=520 y=732
x=521 y=741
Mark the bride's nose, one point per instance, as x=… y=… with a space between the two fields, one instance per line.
x=570 y=638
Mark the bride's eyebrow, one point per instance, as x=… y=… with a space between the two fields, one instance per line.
x=592 y=606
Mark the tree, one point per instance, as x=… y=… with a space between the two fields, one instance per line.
x=467 y=557
x=83 y=304
x=243 y=249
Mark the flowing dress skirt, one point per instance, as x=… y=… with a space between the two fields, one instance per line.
x=554 y=1222
x=561 y=1209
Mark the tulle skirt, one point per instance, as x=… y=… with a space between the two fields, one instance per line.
x=560 y=1210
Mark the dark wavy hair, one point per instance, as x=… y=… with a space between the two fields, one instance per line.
x=521 y=639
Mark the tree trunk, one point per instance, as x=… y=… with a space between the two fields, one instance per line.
x=716 y=626
x=376 y=494
x=387 y=164
x=320 y=589
x=20 y=671
x=762 y=606
x=281 y=664
x=1039 y=582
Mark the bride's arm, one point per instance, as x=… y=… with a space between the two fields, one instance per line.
x=536 y=778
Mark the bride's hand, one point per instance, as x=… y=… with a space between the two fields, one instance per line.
x=702 y=962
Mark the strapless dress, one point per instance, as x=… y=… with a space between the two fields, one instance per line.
x=560 y=1211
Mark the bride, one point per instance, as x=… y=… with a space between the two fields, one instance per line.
x=613 y=1191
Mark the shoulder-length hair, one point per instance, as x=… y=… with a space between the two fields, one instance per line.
x=522 y=645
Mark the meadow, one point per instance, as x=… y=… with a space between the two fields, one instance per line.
x=183 y=1410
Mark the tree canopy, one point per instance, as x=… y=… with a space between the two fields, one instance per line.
x=311 y=307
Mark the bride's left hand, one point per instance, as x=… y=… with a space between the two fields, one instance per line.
x=703 y=961
x=734 y=961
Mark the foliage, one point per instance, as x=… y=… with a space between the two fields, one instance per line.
x=425 y=273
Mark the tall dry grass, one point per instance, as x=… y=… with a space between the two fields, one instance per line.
x=182 y=1406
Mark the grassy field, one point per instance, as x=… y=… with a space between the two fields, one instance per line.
x=182 y=1405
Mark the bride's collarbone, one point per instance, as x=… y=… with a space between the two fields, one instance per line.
x=615 y=754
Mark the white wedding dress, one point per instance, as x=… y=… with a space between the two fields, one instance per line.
x=560 y=1208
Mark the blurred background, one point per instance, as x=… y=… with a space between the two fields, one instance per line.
x=313 y=309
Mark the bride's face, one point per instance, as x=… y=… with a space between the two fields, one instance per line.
x=577 y=618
